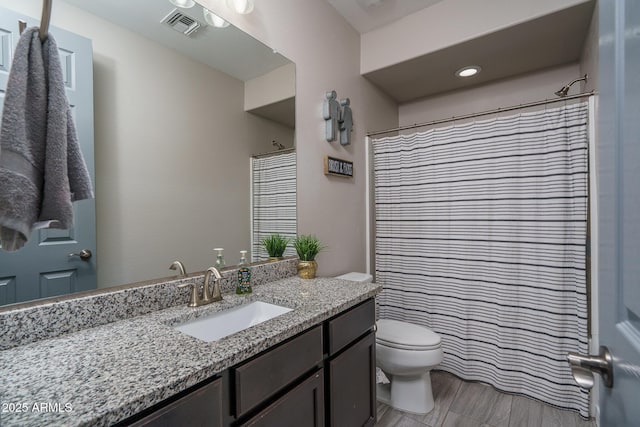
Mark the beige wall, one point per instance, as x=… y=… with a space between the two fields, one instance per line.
x=513 y=91
x=172 y=146
x=271 y=87
x=326 y=51
x=445 y=24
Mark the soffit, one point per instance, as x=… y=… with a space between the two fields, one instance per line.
x=548 y=41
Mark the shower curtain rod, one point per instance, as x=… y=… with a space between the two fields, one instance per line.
x=273 y=153
x=483 y=113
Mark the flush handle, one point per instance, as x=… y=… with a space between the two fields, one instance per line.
x=583 y=368
x=84 y=254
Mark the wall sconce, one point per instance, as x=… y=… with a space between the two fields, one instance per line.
x=213 y=19
x=185 y=4
x=242 y=7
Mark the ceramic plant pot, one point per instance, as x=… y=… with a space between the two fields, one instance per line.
x=307 y=269
x=276 y=258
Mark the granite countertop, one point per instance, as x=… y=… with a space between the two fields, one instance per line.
x=105 y=374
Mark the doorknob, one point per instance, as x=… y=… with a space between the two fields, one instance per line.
x=583 y=367
x=84 y=254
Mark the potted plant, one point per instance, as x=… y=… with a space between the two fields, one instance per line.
x=275 y=246
x=307 y=246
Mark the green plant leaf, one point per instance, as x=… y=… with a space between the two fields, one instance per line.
x=307 y=246
x=275 y=245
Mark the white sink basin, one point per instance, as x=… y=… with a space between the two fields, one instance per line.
x=227 y=322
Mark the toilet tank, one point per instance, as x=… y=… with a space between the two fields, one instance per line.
x=357 y=277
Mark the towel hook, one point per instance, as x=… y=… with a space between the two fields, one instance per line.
x=46 y=18
x=44 y=21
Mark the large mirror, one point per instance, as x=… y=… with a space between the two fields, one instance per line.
x=177 y=120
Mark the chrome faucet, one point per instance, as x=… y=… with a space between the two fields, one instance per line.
x=180 y=266
x=207 y=297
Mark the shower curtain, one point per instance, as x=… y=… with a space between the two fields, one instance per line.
x=481 y=236
x=273 y=200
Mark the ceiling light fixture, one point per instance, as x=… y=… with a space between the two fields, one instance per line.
x=468 y=71
x=213 y=19
x=242 y=7
x=185 y=4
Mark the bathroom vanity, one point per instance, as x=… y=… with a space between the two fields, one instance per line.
x=314 y=365
x=322 y=376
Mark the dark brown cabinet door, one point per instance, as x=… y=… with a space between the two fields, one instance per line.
x=352 y=385
x=267 y=374
x=301 y=407
x=200 y=408
x=347 y=327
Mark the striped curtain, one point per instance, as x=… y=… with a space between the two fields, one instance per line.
x=273 y=197
x=480 y=236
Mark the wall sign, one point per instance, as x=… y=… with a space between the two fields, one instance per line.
x=331 y=114
x=338 y=167
x=338 y=118
x=346 y=121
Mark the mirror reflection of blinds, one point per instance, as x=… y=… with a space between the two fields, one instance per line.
x=274 y=201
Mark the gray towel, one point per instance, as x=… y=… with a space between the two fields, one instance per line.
x=42 y=170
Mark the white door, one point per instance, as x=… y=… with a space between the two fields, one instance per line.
x=618 y=180
x=43 y=267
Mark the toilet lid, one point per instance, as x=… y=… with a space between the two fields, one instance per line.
x=357 y=277
x=407 y=336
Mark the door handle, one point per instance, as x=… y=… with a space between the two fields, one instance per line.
x=84 y=254
x=583 y=367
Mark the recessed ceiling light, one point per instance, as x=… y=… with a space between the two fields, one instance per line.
x=469 y=71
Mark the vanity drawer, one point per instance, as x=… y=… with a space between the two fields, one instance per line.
x=202 y=407
x=349 y=326
x=262 y=377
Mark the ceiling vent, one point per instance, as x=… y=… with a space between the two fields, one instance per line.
x=180 y=22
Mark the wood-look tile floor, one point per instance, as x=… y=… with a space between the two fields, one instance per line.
x=467 y=404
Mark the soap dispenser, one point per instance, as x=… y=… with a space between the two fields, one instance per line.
x=219 y=258
x=244 y=275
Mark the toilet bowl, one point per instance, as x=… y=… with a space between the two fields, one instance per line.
x=406 y=353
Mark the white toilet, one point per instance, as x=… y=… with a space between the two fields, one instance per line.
x=406 y=353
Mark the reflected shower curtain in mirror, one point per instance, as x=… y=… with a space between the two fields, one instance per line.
x=273 y=198
x=481 y=236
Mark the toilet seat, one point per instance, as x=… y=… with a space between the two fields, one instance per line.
x=406 y=336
